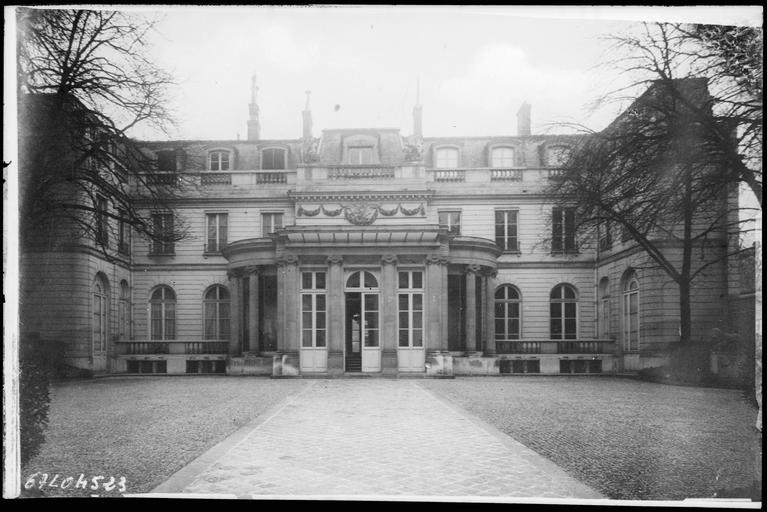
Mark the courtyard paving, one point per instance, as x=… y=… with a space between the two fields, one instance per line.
x=373 y=438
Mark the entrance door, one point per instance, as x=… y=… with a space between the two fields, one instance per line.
x=363 y=347
x=410 y=347
x=314 y=351
x=353 y=332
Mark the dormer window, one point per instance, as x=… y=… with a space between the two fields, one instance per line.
x=502 y=157
x=218 y=161
x=556 y=156
x=360 y=155
x=166 y=161
x=446 y=158
x=273 y=159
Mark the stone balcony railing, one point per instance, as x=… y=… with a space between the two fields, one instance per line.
x=172 y=347
x=555 y=346
x=363 y=175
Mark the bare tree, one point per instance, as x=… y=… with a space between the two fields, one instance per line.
x=84 y=81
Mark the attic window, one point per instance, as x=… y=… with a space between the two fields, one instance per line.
x=502 y=157
x=219 y=160
x=556 y=156
x=447 y=158
x=273 y=159
x=166 y=161
x=359 y=155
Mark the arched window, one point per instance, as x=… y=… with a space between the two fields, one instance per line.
x=123 y=311
x=162 y=314
x=502 y=157
x=564 y=313
x=631 y=313
x=100 y=314
x=362 y=279
x=446 y=158
x=218 y=160
x=507 y=313
x=216 y=313
x=604 y=308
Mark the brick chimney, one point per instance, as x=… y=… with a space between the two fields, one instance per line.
x=254 y=122
x=523 y=120
x=307 y=115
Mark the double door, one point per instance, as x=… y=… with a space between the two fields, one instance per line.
x=363 y=346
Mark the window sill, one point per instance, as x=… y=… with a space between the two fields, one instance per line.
x=162 y=254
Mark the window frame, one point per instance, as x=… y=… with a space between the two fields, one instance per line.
x=102 y=221
x=165 y=320
x=492 y=159
x=410 y=292
x=165 y=227
x=123 y=311
x=563 y=242
x=451 y=226
x=443 y=149
x=221 y=322
x=271 y=215
x=626 y=326
x=506 y=301
x=100 y=316
x=562 y=155
x=363 y=150
x=219 y=165
x=272 y=150
x=504 y=246
x=563 y=316
x=220 y=236
x=314 y=292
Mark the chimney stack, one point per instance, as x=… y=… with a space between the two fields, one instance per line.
x=254 y=122
x=523 y=120
x=307 y=115
x=418 y=113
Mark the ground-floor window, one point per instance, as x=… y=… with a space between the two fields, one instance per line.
x=564 y=313
x=216 y=313
x=313 y=309
x=100 y=309
x=631 y=314
x=507 y=313
x=162 y=314
x=410 y=300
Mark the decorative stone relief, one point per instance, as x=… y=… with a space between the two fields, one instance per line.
x=335 y=259
x=389 y=259
x=361 y=213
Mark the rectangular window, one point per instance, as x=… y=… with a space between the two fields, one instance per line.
x=360 y=155
x=446 y=158
x=102 y=224
x=166 y=161
x=219 y=161
x=604 y=321
x=451 y=219
x=605 y=237
x=410 y=304
x=506 y=230
x=273 y=159
x=313 y=310
x=162 y=227
x=270 y=222
x=216 y=231
x=563 y=234
x=123 y=233
x=502 y=157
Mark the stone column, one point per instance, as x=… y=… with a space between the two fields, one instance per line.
x=335 y=303
x=436 y=300
x=490 y=284
x=253 y=327
x=235 y=329
x=389 y=311
x=288 y=311
x=471 y=309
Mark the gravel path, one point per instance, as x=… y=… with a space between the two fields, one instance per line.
x=627 y=439
x=143 y=428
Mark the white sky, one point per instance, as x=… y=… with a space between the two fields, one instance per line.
x=476 y=65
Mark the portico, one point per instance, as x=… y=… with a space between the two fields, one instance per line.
x=352 y=299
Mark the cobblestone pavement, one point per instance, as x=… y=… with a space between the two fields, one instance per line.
x=373 y=438
x=630 y=440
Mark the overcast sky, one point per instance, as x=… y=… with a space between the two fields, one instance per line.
x=475 y=65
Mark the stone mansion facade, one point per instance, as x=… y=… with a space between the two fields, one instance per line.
x=363 y=251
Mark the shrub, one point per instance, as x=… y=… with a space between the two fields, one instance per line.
x=35 y=369
x=33 y=404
